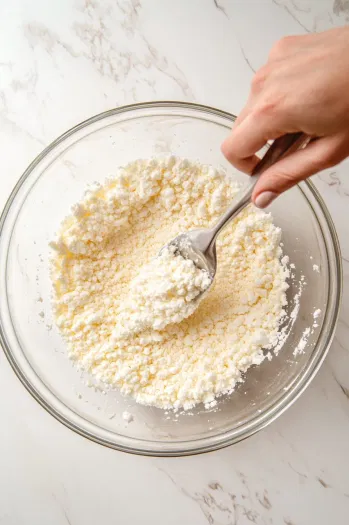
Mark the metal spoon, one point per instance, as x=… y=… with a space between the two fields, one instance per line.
x=200 y=245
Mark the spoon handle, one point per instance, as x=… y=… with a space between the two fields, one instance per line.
x=280 y=148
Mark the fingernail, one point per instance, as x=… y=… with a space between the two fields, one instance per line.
x=264 y=199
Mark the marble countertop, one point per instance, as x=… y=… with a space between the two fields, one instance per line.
x=61 y=62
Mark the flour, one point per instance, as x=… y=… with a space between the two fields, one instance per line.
x=317 y=313
x=165 y=291
x=118 y=228
x=127 y=416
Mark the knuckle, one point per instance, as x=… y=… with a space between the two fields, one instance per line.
x=288 y=179
x=284 y=179
x=267 y=108
x=281 y=47
x=274 y=104
x=259 y=79
x=287 y=41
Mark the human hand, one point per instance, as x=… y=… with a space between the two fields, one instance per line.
x=303 y=87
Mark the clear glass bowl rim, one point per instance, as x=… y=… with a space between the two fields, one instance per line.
x=200 y=445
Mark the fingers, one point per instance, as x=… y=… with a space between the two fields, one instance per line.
x=245 y=164
x=323 y=153
x=248 y=138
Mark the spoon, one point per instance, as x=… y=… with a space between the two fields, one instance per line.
x=200 y=245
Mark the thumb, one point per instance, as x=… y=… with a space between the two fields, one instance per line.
x=318 y=155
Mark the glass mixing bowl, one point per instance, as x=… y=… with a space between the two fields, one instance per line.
x=57 y=179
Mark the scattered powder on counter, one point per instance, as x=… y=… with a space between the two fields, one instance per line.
x=114 y=231
x=316 y=268
x=126 y=416
x=162 y=293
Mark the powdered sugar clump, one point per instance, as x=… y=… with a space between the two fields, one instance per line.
x=165 y=291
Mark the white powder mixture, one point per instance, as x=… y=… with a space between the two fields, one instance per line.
x=162 y=293
x=99 y=271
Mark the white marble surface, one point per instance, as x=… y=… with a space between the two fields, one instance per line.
x=61 y=62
